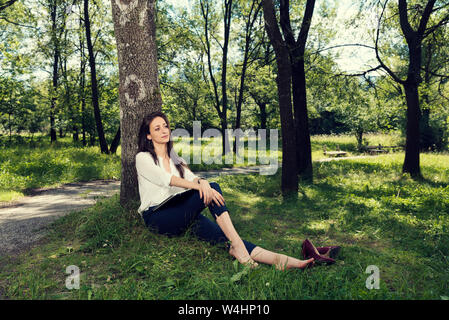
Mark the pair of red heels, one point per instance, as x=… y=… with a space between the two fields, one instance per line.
x=308 y=251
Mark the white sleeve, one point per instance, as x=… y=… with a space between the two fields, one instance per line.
x=149 y=170
x=189 y=175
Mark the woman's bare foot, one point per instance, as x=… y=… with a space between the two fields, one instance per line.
x=242 y=255
x=305 y=263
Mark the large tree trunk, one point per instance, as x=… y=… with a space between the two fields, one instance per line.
x=93 y=78
x=411 y=161
x=289 y=182
x=297 y=51
x=414 y=40
x=304 y=150
x=139 y=92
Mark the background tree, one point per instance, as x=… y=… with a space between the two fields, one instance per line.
x=289 y=182
x=209 y=23
x=93 y=79
x=297 y=48
x=250 y=13
x=414 y=24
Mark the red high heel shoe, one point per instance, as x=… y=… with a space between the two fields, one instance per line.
x=333 y=253
x=308 y=251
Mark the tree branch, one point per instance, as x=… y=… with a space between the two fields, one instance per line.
x=390 y=72
x=403 y=18
x=345 y=45
x=306 y=22
x=17 y=24
x=359 y=74
x=425 y=17
x=5 y=5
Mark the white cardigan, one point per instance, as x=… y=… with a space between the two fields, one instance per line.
x=154 y=180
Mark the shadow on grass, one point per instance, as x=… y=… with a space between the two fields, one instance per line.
x=393 y=210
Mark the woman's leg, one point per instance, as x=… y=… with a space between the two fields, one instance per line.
x=238 y=249
x=281 y=261
x=209 y=231
x=178 y=214
x=221 y=216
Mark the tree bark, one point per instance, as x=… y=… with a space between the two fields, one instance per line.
x=139 y=92
x=289 y=182
x=93 y=80
x=115 y=143
x=411 y=161
x=297 y=50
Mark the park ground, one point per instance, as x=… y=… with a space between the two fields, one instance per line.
x=379 y=216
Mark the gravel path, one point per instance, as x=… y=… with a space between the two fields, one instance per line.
x=23 y=223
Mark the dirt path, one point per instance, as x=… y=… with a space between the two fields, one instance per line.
x=23 y=223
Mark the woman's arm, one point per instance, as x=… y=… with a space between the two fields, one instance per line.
x=183 y=183
x=206 y=192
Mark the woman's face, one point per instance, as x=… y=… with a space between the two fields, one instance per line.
x=159 y=131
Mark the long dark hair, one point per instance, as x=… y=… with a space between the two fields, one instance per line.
x=146 y=145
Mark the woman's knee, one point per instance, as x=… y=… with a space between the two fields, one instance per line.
x=216 y=186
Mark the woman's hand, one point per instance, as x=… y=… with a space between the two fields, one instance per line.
x=217 y=197
x=209 y=194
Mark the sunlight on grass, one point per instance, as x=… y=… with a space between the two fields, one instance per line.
x=6 y=196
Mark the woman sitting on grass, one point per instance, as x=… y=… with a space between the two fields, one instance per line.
x=172 y=198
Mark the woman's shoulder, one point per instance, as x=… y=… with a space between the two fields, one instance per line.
x=143 y=156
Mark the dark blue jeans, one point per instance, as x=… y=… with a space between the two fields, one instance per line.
x=184 y=211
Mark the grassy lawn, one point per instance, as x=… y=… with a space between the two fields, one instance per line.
x=23 y=169
x=378 y=216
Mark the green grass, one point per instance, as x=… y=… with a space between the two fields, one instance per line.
x=348 y=143
x=376 y=214
x=23 y=169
